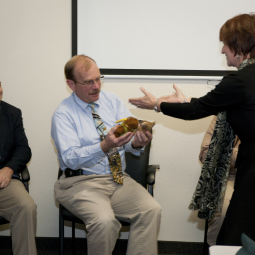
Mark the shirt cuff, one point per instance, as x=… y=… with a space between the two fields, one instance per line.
x=129 y=148
x=97 y=151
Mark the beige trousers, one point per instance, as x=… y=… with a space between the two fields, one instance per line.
x=19 y=209
x=97 y=200
x=215 y=224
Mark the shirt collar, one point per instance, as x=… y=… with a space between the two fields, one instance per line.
x=82 y=104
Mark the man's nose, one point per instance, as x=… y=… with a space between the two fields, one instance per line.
x=96 y=85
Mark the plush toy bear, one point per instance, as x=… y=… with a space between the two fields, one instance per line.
x=132 y=124
x=129 y=124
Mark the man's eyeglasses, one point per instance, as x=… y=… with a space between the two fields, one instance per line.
x=91 y=82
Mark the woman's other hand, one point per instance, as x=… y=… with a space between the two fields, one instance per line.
x=146 y=102
x=176 y=97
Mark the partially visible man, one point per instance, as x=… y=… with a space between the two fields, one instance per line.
x=16 y=205
x=97 y=190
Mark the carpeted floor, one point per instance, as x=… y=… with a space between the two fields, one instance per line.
x=49 y=246
x=55 y=252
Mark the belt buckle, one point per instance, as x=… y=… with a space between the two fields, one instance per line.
x=69 y=173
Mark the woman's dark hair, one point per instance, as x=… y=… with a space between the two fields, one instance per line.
x=238 y=34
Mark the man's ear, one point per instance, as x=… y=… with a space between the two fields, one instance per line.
x=70 y=84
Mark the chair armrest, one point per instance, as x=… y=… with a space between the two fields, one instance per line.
x=25 y=175
x=151 y=172
x=59 y=172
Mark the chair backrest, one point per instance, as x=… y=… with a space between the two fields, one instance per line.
x=137 y=166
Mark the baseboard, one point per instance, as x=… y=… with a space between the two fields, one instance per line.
x=165 y=247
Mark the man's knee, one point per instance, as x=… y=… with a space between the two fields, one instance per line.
x=155 y=208
x=27 y=206
x=104 y=222
x=158 y=208
x=157 y=211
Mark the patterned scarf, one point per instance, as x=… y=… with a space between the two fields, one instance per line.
x=211 y=185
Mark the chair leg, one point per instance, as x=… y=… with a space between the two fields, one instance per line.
x=73 y=237
x=205 y=247
x=150 y=189
x=11 y=247
x=61 y=234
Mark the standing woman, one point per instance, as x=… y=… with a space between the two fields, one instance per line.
x=234 y=100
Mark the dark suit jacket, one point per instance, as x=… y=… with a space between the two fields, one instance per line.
x=14 y=150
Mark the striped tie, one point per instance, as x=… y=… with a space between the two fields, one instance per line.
x=113 y=154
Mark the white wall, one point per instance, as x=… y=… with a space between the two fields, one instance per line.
x=35 y=45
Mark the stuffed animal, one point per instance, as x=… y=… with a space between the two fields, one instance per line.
x=146 y=126
x=129 y=124
x=132 y=124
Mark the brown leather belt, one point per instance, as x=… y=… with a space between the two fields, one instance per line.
x=70 y=173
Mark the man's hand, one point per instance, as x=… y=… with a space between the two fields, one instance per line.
x=5 y=177
x=141 y=139
x=111 y=141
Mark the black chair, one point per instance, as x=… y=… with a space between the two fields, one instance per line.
x=137 y=167
x=205 y=245
x=25 y=178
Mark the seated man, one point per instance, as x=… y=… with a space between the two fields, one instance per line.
x=100 y=189
x=215 y=224
x=16 y=205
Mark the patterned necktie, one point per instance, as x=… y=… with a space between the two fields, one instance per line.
x=113 y=154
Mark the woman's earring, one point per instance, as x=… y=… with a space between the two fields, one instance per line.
x=238 y=57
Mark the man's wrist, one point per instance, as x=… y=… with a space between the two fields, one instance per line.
x=10 y=171
x=104 y=148
x=136 y=148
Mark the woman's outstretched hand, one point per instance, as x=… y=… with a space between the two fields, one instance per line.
x=146 y=102
x=176 y=97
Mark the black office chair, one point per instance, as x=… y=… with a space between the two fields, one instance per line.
x=205 y=245
x=137 y=167
x=25 y=178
